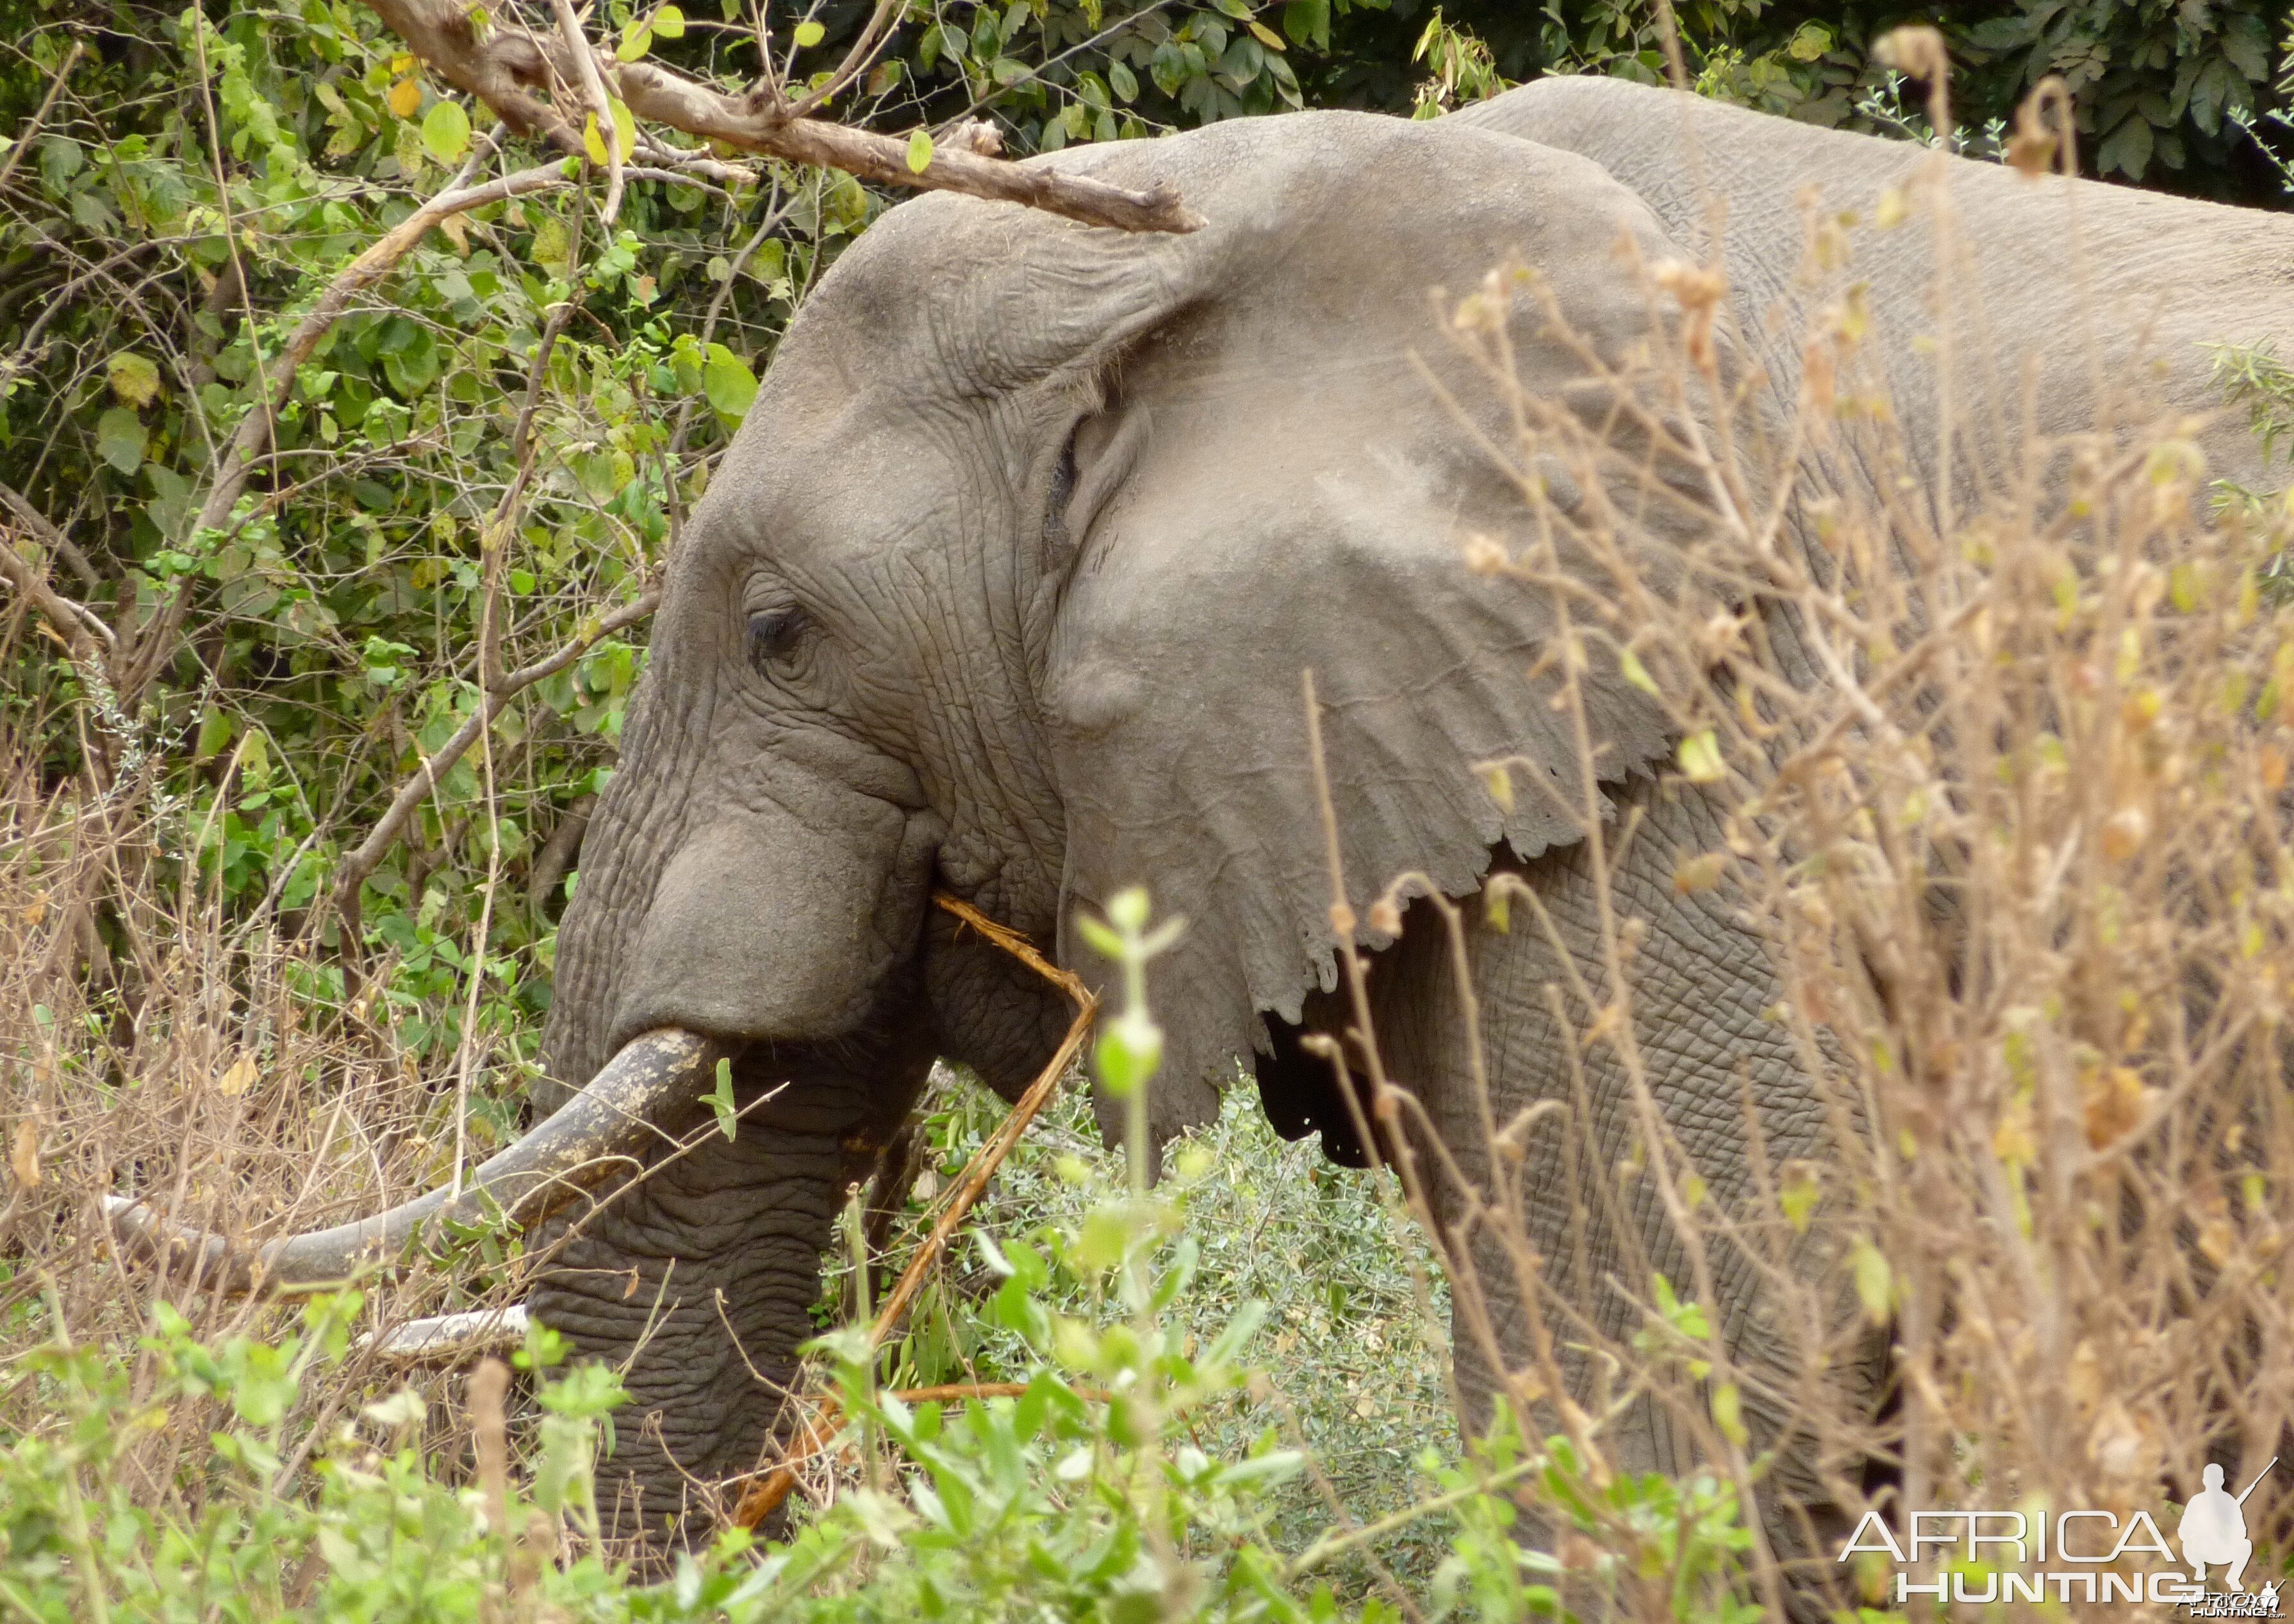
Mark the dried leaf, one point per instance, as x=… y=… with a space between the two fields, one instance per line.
x=238 y=1077
x=2115 y=1105
x=1700 y=872
x=24 y=1155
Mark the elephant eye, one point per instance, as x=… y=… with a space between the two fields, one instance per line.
x=772 y=633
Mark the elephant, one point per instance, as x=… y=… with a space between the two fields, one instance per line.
x=1005 y=588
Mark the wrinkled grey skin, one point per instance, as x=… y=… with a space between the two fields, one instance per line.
x=1064 y=514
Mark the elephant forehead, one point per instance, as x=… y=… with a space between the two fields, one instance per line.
x=1346 y=212
x=816 y=483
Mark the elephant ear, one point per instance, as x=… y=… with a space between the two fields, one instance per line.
x=1282 y=477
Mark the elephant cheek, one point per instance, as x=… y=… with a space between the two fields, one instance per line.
x=762 y=928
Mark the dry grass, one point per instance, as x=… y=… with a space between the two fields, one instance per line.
x=2006 y=796
x=150 y=1043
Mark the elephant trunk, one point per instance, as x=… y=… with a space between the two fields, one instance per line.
x=604 y=1128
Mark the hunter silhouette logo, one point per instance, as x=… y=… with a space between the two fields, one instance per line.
x=2077 y=1556
x=2213 y=1532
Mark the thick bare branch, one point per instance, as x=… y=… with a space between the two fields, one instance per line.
x=513 y=71
x=49 y=535
x=76 y=624
x=593 y=91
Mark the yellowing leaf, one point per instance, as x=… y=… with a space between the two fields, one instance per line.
x=135 y=379
x=1797 y=1197
x=809 y=35
x=625 y=129
x=1499 y=782
x=1636 y=673
x=1265 y=36
x=405 y=96
x=637 y=39
x=1700 y=757
x=24 y=1155
x=446 y=130
x=1728 y=1413
x=920 y=151
x=237 y=1078
x=1876 y=1282
x=669 y=22
x=592 y=142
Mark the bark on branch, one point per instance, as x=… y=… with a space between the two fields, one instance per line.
x=516 y=72
x=76 y=624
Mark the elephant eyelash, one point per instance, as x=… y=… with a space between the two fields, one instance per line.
x=771 y=634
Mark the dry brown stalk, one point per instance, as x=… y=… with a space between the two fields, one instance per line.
x=765 y=1494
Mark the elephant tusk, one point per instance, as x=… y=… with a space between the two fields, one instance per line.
x=604 y=1125
x=444 y=1339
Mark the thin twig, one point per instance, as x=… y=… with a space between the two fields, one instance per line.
x=601 y=105
x=353 y=870
x=40 y=116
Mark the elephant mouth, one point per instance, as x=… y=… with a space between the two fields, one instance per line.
x=603 y=1129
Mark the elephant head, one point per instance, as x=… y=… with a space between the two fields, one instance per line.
x=1006 y=587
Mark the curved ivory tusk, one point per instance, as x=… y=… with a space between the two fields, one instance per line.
x=447 y=1338
x=596 y=1129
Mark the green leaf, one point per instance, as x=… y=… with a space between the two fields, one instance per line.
x=135 y=379
x=920 y=151
x=446 y=130
x=120 y=440
x=669 y=22
x=637 y=39
x=1700 y=758
x=728 y=384
x=720 y=1100
x=809 y=35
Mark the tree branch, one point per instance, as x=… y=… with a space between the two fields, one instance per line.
x=76 y=624
x=48 y=535
x=513 y=71
x=593 y=91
